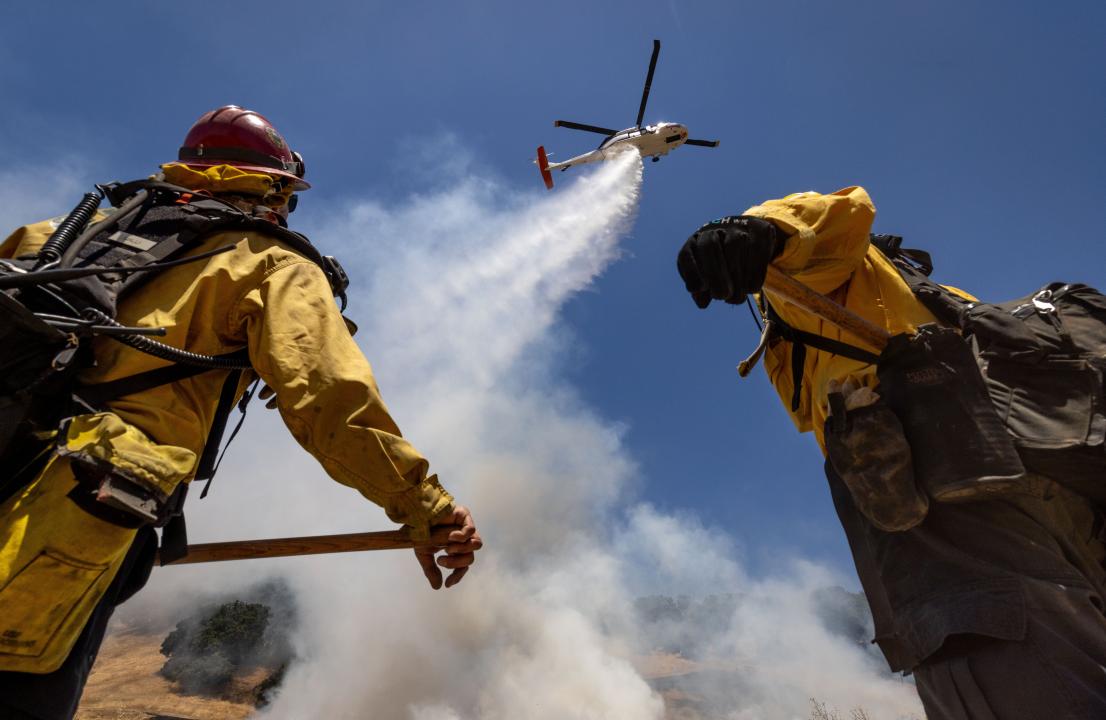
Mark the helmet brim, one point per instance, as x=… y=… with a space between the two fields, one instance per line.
x=298 y=183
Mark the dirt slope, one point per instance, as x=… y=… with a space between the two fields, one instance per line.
x=124 y=685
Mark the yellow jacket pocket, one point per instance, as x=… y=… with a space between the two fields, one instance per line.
x=56 y=562
x=28 y=618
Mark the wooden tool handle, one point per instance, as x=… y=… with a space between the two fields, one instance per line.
x=311 y=545
x=835 y=314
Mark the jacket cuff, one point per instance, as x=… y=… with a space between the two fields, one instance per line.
x=419 y=506
x=799 y=243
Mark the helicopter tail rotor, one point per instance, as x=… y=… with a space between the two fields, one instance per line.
x=543 y=165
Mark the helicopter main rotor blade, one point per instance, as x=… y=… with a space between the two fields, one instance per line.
x=648 y=81
x=580 y=126
x=702 y=143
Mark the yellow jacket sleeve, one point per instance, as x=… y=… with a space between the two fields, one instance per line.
x=828 y=234
x=300 y=346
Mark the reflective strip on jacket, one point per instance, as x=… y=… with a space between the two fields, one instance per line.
x=260 y=295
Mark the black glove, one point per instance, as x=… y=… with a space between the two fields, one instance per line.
x=728 y=258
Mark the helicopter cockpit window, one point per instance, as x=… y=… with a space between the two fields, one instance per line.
x=608 y=140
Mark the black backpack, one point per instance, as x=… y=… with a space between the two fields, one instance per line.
x=55 y=302
x=1043 y=357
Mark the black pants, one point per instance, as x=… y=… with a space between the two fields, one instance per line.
x=995 y=605
x=1056 y=672
x=55 y=695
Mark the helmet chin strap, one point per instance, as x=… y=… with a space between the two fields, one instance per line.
x=244 y=203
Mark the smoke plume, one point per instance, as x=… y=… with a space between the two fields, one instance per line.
x=457 y=295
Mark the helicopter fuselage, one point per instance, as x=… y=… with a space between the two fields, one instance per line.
x=650 y=141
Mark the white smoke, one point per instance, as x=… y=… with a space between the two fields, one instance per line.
x=463 y=288
x=458 y=293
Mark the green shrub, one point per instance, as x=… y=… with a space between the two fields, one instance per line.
x=206 y=652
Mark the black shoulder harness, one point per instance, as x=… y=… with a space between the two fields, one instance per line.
x=170 y=221
x=914 y=266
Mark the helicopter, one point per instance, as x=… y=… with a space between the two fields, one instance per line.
x=650 y=140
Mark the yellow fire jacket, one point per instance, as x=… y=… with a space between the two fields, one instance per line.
x=56 y=560
x=828 y=250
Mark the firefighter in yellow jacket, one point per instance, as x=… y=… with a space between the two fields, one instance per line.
x=65 y=563
x=994 y=604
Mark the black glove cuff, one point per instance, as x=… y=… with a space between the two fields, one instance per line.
x=728 y=258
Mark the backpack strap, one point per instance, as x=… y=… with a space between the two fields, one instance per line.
x=95 y=396
x=205 y=215
x=800 y=339
x=210 y=458
x=915 y=267
x=174 y=535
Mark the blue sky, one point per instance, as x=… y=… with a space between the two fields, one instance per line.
x=978 y=128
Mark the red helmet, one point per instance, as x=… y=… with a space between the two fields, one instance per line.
x=231 y=135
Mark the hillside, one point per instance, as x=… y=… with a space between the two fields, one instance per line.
x=124 y=685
